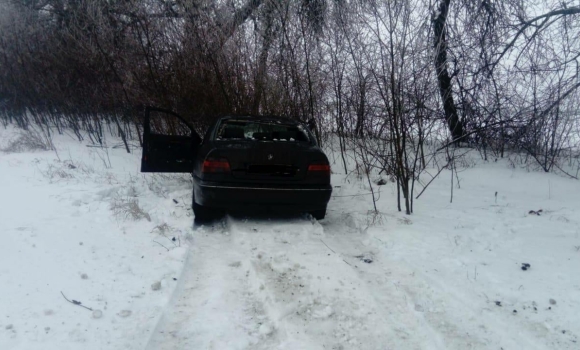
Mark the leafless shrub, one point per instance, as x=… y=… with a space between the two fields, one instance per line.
x=464 y=161
x=103 y=154
x=361 y=170
x=128 y=208
x=375 y=218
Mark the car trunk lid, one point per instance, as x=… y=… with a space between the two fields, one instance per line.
x=267 y=161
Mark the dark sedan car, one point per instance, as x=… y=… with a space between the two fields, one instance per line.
x=242 y=163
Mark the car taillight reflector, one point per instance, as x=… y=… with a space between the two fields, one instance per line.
x=215 y=166
x=324 y=168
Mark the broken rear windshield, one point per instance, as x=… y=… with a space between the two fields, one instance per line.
x=260 y=131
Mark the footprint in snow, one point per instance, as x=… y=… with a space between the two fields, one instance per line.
x=125 y=313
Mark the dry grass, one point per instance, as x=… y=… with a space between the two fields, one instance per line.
x=160 y=184
x=66 y=170
x=128 y=208
x=162 y=229
x=28 y=140
x=56 y=172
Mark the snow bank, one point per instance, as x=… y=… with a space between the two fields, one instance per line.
x=84 y=222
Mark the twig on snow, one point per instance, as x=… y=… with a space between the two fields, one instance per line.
x=347 y=262
x=161 y=245
x=75 y=302
x=173 y=240
x=328 y=246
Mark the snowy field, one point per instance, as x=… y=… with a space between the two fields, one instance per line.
x=84 y=224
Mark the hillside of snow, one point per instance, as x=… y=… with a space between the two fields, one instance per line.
x=95 y=255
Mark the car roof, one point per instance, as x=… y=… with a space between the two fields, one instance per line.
x=262 y=118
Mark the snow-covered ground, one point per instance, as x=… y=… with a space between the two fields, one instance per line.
x=450 y=276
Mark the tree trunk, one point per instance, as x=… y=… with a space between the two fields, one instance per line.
x=267 y=38
x=443 y=77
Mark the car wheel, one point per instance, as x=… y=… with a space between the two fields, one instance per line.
x=203 y=214
x=318 y=214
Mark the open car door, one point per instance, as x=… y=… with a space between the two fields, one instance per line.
x=169 y=143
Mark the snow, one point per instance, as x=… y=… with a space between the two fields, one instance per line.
x=447 y=277
x=60 y=235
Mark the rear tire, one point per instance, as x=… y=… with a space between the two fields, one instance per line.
x=318 y=214
x=204 y=214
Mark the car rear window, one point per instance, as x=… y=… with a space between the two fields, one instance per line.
x=232 y=129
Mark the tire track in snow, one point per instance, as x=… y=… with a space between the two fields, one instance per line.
x=274 y=284
x=276 y=280
x=316 y=299
x=212 y=307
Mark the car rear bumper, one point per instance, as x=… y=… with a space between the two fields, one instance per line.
x=252 y=196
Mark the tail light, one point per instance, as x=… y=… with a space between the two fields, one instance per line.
x=323 y=169
x=215 y=166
